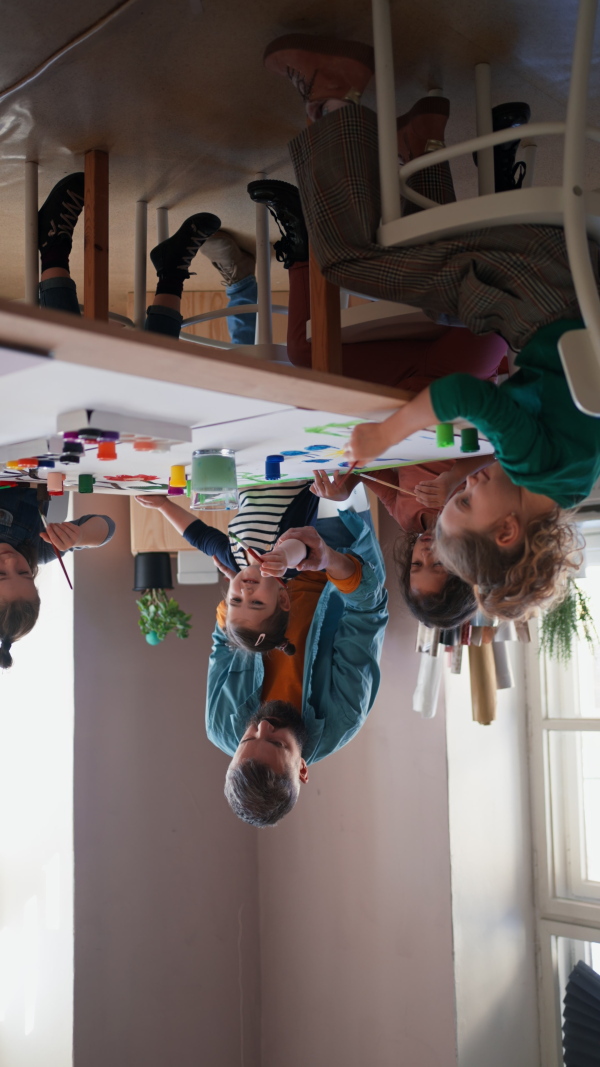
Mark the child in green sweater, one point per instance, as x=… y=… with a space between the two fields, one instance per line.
x=508 y=532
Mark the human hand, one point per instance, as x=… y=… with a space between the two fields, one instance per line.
x=273 y=564
x=367 y=442
x=318 y=553
x=338 y=488
x=226 y=571
x=152 y=500
x=435 y=492
x=63 y=535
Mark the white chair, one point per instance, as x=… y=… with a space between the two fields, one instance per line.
x=566 y=205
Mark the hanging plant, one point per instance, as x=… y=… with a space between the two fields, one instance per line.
x=569 y=621
x=161 y=614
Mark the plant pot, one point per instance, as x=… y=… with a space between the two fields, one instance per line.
x=152 y=571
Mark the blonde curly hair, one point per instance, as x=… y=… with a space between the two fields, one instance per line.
x=515 y=583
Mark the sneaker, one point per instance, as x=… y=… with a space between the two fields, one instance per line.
x=508 y=174
x=422 y=129
x=283 y=202
x=232 y=263
x=321 y=68
x=59 y=212
x=178 y=251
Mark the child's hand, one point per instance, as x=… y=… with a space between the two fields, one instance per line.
x=318 y=553
x=273 y=564
x=435 y=492
x=368 y=442
x=333 y=490
x=152 y=500
x=226 y=571
x=64 y=535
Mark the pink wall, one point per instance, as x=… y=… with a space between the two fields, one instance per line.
x=355 y=905
x=165 y=877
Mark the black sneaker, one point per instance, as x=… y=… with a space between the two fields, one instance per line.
x=508 y=174
x=283 y=202
x=177 y=252
x=59 y=212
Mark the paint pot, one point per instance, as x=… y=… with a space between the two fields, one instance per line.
x=214 y=481
x=55 y=483
x=273 y=468
x=107 y=450
x=178 y=479
x=144 y=444
x=46 y=462
x=444 y=435
x=175 y=490
x=469 y=439
x=86 y=483
x=152 y=570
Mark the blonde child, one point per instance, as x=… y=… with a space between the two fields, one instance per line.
x=257 y=609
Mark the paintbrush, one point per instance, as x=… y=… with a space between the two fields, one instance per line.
x=255 y=555
x=56 y=551
x=389 y=485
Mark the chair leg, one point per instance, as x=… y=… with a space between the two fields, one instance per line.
x=483 y=104
x=139 y=269
x=95 y=256
x=32 y=259
x=264 y=319
x=162 y=224
x=325 y=317
x=386 y=111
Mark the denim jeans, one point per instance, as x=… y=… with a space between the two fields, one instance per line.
x=60 y=294
x=242 y=327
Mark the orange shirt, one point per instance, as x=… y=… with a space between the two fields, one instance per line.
x=284 y=674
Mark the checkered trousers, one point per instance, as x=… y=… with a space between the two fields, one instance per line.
x=510 y=280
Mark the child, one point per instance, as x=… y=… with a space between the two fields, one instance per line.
x=24 y=544
x=257 y=610
x=508 y=533
x=433 y=594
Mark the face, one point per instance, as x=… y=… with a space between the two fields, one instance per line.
x=16 y=579
x=275 y=742
x=252 y=599
x=489 y=502
x=427 y=575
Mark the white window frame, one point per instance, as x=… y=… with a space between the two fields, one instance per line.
x=556 y=913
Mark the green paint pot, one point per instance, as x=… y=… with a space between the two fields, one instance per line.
x=153 y=639
x=214 y=480
x=444 y=435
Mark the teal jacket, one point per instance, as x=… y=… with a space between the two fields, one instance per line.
x=341 y=665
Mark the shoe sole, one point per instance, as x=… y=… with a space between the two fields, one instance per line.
x=324 y=46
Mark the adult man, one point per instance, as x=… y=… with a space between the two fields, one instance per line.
x=277 y=714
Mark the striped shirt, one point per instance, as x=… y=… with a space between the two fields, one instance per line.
x=260 y=516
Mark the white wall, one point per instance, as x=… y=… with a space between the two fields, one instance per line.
x=166 y=930
x=356 y=939
x=492 y=885
x=36 y=837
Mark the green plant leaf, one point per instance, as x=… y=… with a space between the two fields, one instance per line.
x=569 y=621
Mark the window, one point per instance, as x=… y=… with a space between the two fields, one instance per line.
x=564 y=729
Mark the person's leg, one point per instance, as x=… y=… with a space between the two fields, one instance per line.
x=407 y=363
x=56 y=221
x=242 y=328
x=171 y=260
x=420 y=131
x=236 y=268
x=510 y=280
